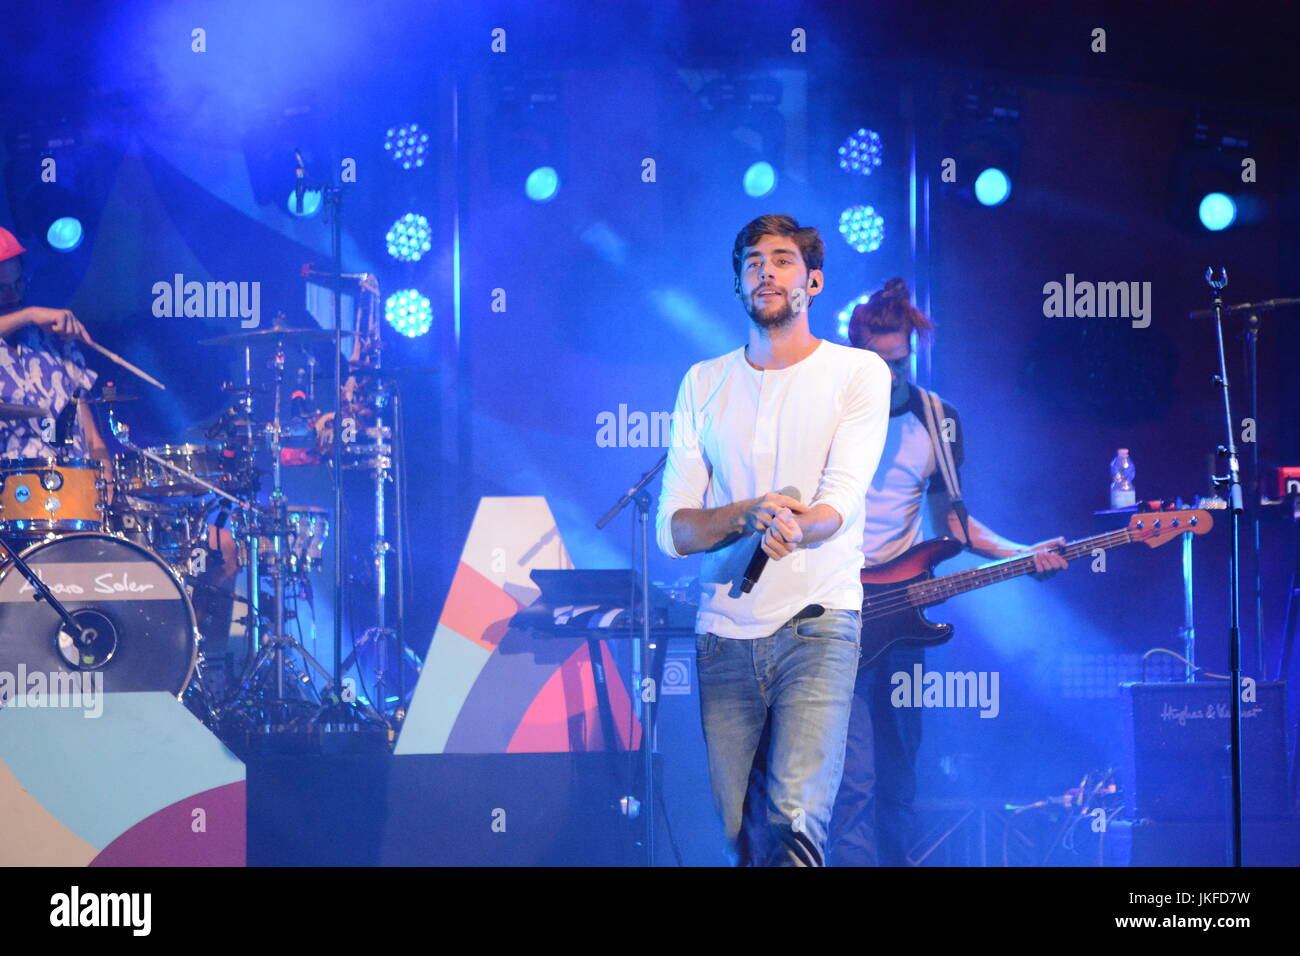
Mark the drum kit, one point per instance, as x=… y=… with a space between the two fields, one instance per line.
x=139 y=556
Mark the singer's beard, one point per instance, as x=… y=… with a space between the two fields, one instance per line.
x=774 y=320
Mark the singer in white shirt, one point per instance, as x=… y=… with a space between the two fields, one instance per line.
x=777 y=665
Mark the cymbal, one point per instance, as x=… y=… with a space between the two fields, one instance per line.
x=110 y=399
x=290 y=382
x=273 y=334
x=369 y=371
x=23 y=411
x=236 y=433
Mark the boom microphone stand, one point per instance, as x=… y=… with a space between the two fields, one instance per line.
x=638 y=494
x=1232 y=480
x=1252 y=311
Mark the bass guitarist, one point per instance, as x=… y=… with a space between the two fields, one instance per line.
x=871 y=821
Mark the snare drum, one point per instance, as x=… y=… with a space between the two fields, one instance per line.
x=39 y=495
x=139 y=475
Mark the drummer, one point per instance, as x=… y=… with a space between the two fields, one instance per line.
x=41 y=365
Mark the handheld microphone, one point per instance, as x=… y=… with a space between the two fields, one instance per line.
x=759 y=561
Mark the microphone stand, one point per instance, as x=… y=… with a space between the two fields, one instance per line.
x=1232 y=480
x=638 y=494
x=1252 y=311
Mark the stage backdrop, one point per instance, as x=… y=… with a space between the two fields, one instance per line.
x=487 y=688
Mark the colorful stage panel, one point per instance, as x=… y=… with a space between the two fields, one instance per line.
x=144 y=783
x=486 y=688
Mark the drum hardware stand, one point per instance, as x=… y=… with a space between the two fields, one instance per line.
x=338 y=712
x=399 y=489
x=643 y=652
x=342 y=710
x=253 y=619
x=271 y=648
x=386 y=469
x=278 y=516
x=333 y=198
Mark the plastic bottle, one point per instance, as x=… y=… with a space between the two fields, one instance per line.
x=1122 y=493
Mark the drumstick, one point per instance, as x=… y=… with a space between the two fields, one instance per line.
x=113 y=356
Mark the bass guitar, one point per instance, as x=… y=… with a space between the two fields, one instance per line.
x=894 y=593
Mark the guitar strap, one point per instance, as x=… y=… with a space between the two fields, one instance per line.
x=943 y=456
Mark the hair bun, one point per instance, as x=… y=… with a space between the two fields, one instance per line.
x=896 y=288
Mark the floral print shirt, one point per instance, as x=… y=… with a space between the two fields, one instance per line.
x=37 y=368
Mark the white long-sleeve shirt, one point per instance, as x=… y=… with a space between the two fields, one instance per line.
x=739 y=432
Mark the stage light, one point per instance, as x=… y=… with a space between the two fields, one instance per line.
x=410 y=238
x=860 y=153
x=542 y=184
x=65 y=234
x=845 y=315
x=992 y=187
x=407 y=145
x=1218 y=211
x=760 y=180
x=408 y=312
x=862 y=228
x=311 y=203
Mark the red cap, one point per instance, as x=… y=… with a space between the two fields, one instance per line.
x=9 y=245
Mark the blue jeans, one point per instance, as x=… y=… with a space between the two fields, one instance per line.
x=872 y=822
x=776 y=713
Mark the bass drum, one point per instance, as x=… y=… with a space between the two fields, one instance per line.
x=138 y=623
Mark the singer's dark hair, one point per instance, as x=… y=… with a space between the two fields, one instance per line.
x=806 y=238
x=889 y=310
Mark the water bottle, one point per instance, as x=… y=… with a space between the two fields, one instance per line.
x=1122 y=493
